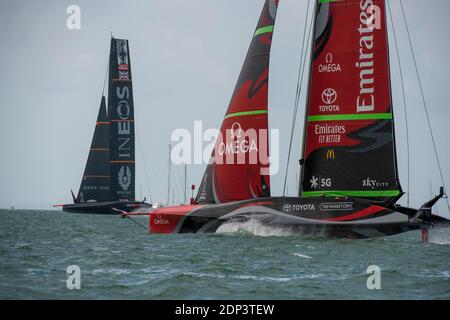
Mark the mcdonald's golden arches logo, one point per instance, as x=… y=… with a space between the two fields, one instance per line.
x=331 y=154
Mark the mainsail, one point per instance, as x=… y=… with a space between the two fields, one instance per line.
x=349 y=145
x=95 y=183
x=121 y=116
x=239 y=164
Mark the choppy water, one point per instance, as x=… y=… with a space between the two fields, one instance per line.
x=119 y=260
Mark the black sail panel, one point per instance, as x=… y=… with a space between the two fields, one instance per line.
x=121 y=116
x=205 y=193
x=96 y=178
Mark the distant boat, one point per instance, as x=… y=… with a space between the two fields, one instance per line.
x=108 y=182
x=349 y=183
x=13 y=208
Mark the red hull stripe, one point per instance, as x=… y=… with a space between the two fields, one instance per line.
x=254 y=204
x=175 y=210
x=166 y=220
x=363 y=213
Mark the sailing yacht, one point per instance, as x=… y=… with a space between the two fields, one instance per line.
x=349 y=184
x=108 y=183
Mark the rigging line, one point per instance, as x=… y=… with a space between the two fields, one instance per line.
x=139 y=224
x=424 y=101
x=106 y=78
x=121 y=213
x=185 y=184
x=298 y=90
x=147 y=180
x=180 y=183
x=168 y=175
x=177 y=182
x=404 y=103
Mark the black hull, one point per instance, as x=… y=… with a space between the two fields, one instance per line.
x=349 y=231
x=104 y=208
x=327 y=217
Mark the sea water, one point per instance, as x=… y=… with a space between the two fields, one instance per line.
x=119 y=260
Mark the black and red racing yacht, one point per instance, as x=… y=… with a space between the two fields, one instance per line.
x=349 y=184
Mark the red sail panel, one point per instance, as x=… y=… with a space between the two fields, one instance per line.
x=349 y=146
x=239 y=164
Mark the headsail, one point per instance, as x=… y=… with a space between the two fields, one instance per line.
x=238 y=168
x=349 y=145
x=121 y=116
x=95 y=183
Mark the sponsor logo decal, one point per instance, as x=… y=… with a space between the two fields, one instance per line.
x=122 y=54
x=314 y=182
x=331 y=154
x=236 y=130
x=234 y=143
x=124 y=177
x=124 y=126
x=336 y=206
x=319 y=182
x=372 y=183
x=241 y=142
x=370 y=19
x=329 y=96
x=329 y=133
x=160 y=220
x=329 y=66
x=123 y=75
x=298 y=207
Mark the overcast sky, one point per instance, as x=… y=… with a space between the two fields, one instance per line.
x=186 y=57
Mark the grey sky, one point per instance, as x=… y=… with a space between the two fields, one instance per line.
x=186 y=56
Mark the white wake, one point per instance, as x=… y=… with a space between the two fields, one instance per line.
x=439 y=236
x=257 y=228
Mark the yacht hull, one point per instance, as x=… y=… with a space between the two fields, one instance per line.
x=111 y=207
x=329 y=217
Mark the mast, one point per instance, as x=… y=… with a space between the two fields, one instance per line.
x=431 y=190
x=394 y=140
x=168 y=176
x=305 y=123
x=185 y=183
